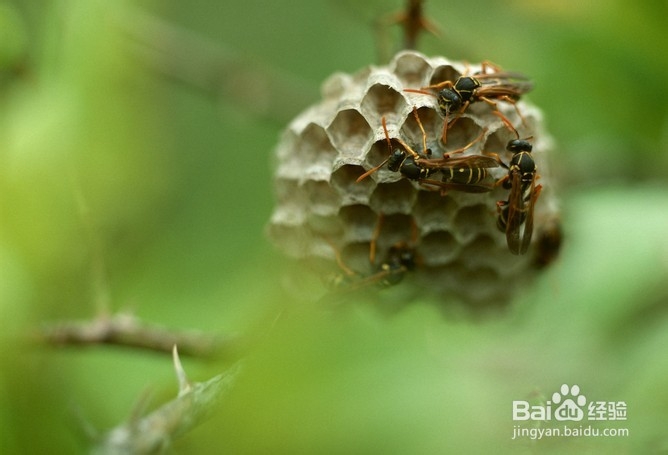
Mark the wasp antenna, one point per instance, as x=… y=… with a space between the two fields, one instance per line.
x=339 y=260
x=446 y=155
x=421 y=91
x=387 y=134
x=408 y=148
x=371 y=171
x=424 y=134
x=507 y=123
x=374 y=238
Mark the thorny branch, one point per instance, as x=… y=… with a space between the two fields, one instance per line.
x=154 y=432
x=128 y=331
x=413 y=22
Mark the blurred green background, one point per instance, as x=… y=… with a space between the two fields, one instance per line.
x=135 y=142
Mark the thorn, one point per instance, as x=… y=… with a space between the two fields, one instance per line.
x=184 y=384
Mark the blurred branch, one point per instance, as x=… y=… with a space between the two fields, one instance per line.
x=413 y=22
x=153 y=433
x=183 y=56
x=126 y=330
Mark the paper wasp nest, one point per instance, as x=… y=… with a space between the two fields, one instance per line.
x=320 y=209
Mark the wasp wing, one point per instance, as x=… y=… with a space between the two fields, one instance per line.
x=528 y=224
x=516 y=214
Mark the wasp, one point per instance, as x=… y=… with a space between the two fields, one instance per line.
x=519 y=208
x=401 y=258
x=455 y=97
x=465 y=173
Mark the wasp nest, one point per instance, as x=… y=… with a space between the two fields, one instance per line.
x=322 y=211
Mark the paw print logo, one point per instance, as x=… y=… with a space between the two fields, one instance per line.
x=571 y=403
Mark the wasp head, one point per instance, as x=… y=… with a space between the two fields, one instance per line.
x=394 y=161
x=448 y=101
x=519 y=145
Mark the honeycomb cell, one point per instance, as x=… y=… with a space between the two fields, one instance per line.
x=412 y=133
x=336 y=86
x=433 y=212
x=379 y=152
x=444 y=73
x=322 y=198
x=441 y=280
x=393 y=197
x=394 y=229
x=438 y=248
x=359 y=222
x=477 y=251
x=290 y=234
x=486 y=291
x=350 y=133
x=325 y=225
x=288 y=145
x=410 y=68
x=350 y=191
x=289 y=193
x=461 y=134
x=314 y=146
x=381 y=100
x=497 y=141
x=355 y=256
x=470 y=221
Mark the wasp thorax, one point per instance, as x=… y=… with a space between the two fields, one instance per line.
x=524 y=163
x=334 y=206
x=466 y=85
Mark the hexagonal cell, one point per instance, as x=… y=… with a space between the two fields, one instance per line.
x=391 y=230
x=380 y=100
x=355 y=255
x=290 y=239
x=336 y=85
x=431 y=121
x=291 y=168
x=438 y=248
x=478 y=252
x=433 y=212
x=344 y=182
x=314 y=146
x=322 y=199
x=288 y=192
x=328 y=225
x=441 y=280
x=471 y=221
x=319 y=172
x=412 y=134
x=485 y=292
x=359 y=222
x=287 y=145
x=379 y=152
x=350 y=133
x=444 y=73
x=393 y=197
x=410 y=67
x=464 y=132
x=496 y=142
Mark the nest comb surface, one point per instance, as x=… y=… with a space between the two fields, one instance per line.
x=321 y=209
